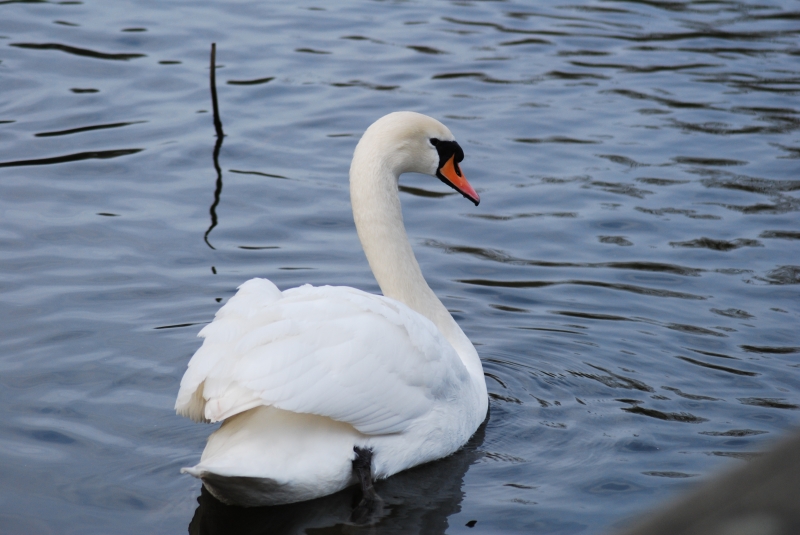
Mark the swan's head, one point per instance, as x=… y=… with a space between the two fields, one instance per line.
x=407 y=141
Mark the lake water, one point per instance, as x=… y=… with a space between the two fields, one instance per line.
x=630 y=278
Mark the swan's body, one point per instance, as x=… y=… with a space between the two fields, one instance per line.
x=301 y=378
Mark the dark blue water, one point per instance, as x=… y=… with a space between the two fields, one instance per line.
x=630 y=278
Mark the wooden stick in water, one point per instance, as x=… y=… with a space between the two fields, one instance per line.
x=217 y=145
x=217 y=122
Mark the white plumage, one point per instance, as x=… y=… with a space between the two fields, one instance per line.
x=302 y=377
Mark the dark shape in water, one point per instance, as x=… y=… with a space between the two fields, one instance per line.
x=506 y=308
x=622 y=189
x=420 y=192
x=621 y=160
x=784 y=275
x=426 y=49
x=706 y=33
x=697 y=160
x=733 y=433
x=258 y=173
x=661 y=181
x=613 y=380
x=587 y=315
x=684 y=417
x=743 y=455
x=519 y=486
x=92 y=155
x=563 y=75
x=507 y=399
x=556 y=139
x=773 y=403
x=642 y=69
x=493 y=217
x=693 y=329
x=733 y=313
x=713 y=354
x=718 y=367
x=528 y=41
x=782 y=205
x=583 y=52
x=77 y=51
x=794 y=152
x=695 y=397
x=774 y=350
x=717 y=245
x=483 y=77
x=86 y=129
x=179 y=325
x=359 y=83
x=688 y=213
x=311 y=51
x=780 y=234
x=256 y=81
x=615 y=240
x=764 y=186
x=661 y=100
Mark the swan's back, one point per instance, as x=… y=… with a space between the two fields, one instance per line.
x=357 y=358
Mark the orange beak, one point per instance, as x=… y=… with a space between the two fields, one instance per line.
x=452 y=175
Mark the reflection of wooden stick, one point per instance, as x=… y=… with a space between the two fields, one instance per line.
x=217 y=122
x=217 y=146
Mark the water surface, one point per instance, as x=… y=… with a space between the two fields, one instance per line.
x=630 y=278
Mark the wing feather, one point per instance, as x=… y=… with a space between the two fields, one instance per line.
x=337 y=352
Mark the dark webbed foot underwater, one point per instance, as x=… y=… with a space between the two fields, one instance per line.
x=371 y=507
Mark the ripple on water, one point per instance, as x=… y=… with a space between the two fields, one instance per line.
x=77 y=51
x=717 y=245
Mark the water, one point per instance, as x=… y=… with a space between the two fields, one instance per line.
x=630 y=278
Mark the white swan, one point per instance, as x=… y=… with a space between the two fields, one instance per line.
x=320 y=386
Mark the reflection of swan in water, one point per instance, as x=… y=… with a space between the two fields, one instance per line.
x=322 y=387
x=419 y=500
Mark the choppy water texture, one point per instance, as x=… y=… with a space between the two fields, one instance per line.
x=630 y=278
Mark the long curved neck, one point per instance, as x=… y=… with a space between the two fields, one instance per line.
x=379 y=222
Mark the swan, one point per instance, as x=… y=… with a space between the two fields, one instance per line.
x=320 y=388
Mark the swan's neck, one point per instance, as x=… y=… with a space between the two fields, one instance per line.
x=379 y=222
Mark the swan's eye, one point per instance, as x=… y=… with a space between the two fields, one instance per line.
x=434 y=141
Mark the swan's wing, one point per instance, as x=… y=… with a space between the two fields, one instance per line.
x=338 y=352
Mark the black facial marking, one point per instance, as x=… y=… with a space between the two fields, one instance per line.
x=446 y=150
